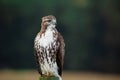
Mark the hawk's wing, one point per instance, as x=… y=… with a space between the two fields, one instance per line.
x=60 y=54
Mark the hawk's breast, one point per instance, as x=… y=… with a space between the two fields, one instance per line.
x=47 y=45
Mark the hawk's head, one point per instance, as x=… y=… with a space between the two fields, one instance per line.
x=49 y=20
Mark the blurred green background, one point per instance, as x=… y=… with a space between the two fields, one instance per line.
x=91 y=29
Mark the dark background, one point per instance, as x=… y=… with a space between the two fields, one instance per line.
x=91 y=29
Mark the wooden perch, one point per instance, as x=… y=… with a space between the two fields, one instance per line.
x=49 y=78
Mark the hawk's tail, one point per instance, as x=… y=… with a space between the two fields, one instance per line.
x=60 y=78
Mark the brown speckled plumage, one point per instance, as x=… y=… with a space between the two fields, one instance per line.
x=49 y=53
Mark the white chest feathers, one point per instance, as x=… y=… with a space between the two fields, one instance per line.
x=46 y=38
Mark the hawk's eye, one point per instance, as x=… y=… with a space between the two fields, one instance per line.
x=49 y=20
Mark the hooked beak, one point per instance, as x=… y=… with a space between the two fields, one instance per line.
x=54 y=22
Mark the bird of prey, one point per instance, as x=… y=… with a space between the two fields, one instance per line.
x=49 y=48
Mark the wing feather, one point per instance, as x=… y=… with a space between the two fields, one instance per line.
x=60 y=54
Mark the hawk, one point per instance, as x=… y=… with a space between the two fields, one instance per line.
x=49 y=48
